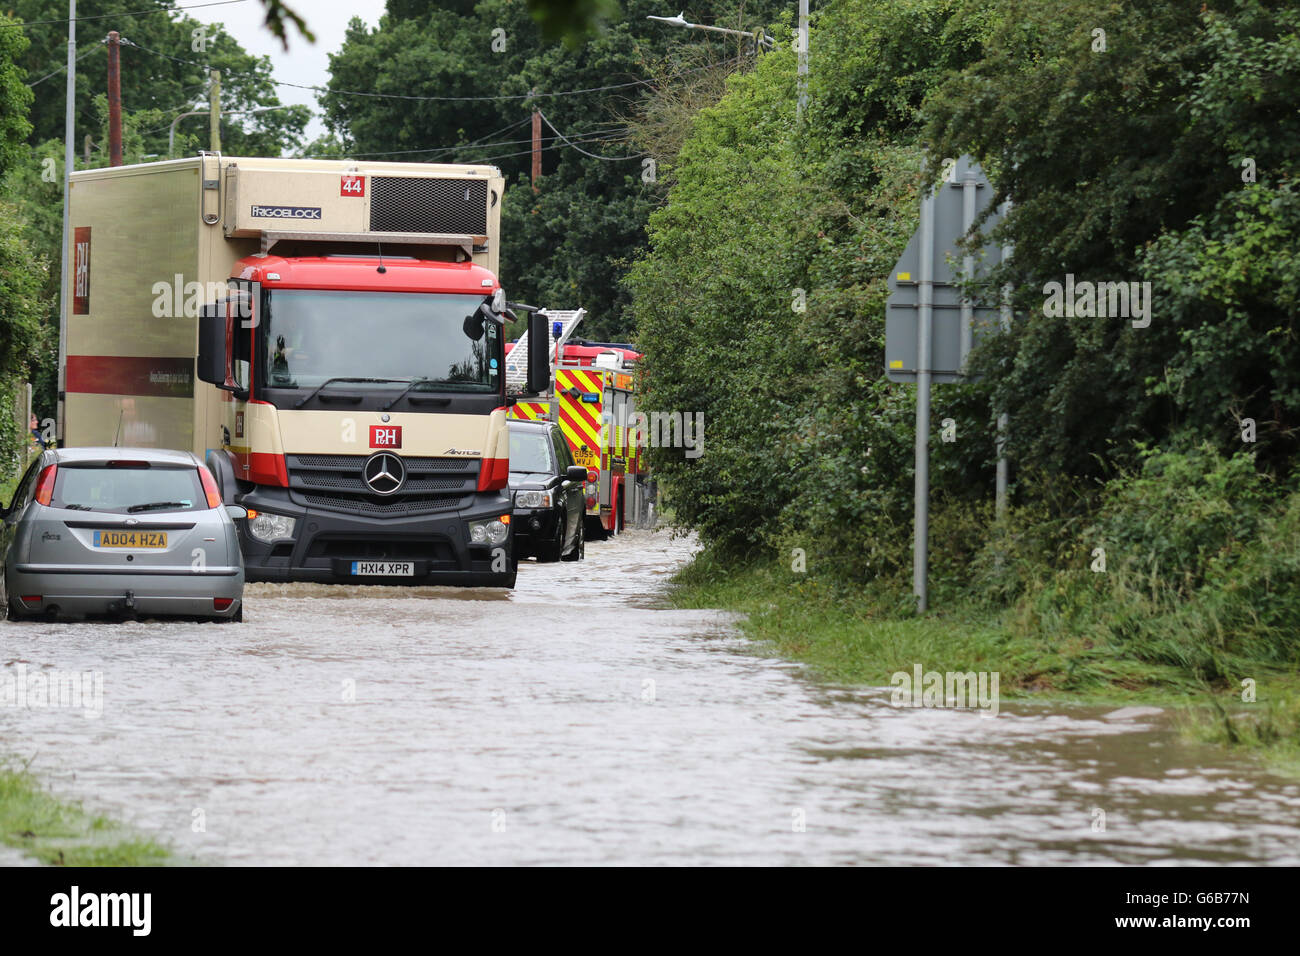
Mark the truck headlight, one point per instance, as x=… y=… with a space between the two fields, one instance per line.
x=271 y=528
x=532 y=499
x=493 y=531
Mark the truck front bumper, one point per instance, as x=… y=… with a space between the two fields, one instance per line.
x=326 y=544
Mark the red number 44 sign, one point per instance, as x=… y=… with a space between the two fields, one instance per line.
x=352 y=185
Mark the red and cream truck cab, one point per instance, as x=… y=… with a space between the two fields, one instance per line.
x=328 y=335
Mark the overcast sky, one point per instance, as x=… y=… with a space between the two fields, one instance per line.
x=305 y=63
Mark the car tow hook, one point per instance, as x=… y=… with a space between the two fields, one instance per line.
x=129 y=602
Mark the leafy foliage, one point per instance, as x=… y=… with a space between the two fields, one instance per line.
x=569 y=244
x=1127 y=165
x=160 y=70
x=761 y=301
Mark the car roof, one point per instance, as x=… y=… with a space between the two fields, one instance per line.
x=161 y=456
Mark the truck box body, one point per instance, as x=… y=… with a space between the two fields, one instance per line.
x=376 y=261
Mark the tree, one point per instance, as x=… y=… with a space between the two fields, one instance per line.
x=165 y=62
x=568 y=245
x=761 y=299
x=22 y=273
x=1125 y=153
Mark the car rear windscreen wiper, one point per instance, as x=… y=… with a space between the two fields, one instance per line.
x=151 y=505
x=76 y=507
x=339 y=378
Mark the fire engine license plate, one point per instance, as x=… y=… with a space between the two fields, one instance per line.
x=588 y=459
x=387 y=569
x=130 y=539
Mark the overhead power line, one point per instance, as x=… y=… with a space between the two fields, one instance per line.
x=441 y=99
x=131 y=13
x=608 y=159
x=478 y=144
x=64 y=68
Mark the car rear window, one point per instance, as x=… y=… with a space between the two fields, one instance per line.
x=128 y=488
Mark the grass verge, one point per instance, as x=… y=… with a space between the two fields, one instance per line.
x=62 y=833
x=862 y=639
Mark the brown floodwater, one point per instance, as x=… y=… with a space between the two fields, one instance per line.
x=577 y=720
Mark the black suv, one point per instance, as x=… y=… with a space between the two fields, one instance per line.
x=546 y=487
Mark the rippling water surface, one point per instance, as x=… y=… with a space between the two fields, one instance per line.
x=577 y=721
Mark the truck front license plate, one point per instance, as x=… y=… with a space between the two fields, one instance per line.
x=385 y=569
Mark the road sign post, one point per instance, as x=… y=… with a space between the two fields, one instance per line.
x=931 y=326
x=925 y=333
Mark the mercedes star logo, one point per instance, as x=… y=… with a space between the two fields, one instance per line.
x=383 y=473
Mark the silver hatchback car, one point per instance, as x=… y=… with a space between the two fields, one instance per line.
x=121 y=532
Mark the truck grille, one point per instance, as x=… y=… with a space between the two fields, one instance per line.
x=425 y=204
x=335 y=483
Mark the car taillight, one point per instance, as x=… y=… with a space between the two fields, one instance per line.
x=222 y=604
x=210 y=487
x=31 y=600
x=45 y=485
x=593 y=475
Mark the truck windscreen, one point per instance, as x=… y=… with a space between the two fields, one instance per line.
x=415 y=340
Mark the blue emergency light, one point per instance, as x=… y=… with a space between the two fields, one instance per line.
x=557 y=328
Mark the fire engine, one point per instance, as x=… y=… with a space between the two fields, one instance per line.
x=593 y=398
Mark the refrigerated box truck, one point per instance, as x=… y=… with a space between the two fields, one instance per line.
x=327 y=335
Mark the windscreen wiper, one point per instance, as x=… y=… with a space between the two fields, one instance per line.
x=402 y=394
x=338 y=378
x=152 y=505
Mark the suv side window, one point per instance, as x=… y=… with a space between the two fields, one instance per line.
x=562 y=454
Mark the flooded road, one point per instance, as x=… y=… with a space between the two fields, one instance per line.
x=576 y=721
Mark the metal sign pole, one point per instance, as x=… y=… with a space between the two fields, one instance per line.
x=968 y=187
x=925 y=282
x=1005 y=317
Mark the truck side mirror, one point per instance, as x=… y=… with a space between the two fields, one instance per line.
x=212 y=362
x=539 y=353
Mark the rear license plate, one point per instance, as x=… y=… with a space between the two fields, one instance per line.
x=130 y=539
x=588 y=459
x=387 y=569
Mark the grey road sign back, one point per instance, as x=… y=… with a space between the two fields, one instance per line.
x=901 y=310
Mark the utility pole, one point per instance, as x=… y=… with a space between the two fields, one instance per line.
x=214 y=111
x=68 y=124
x=85 y=149
x=803 y=58
x=537 y=145
x=114 y=99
